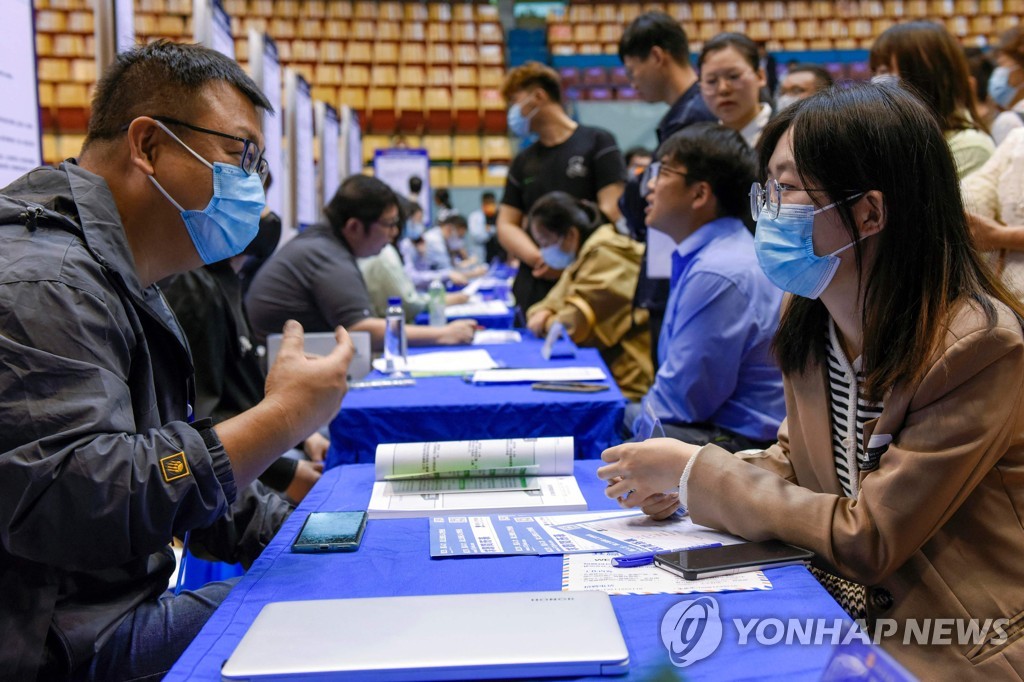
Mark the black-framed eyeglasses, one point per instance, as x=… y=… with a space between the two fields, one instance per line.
x=767 y=198
x=651 y=174
x=252 y=158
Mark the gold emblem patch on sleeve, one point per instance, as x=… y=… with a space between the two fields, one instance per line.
x=174 y=467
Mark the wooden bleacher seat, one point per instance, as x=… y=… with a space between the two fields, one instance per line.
x=439 y=147
x=494 y=111
x=328 y=74
x=325 y=93
x=409 y=103
x=466 y=54
x=359 y=52
x=486 y=13
x=412 y=53
x=628 y=12
x=412 y=75
x=171 y=26
x=439 y=107
x=466 y=176
x=391 y=11
x=286 y=8
x=466 y=149
x=607 y=12
x=332 y=52
x=364 y=10
x=492 y=55
x=282 y=28
x=339 y=9
x=438 y=32
x=414 y=30
x=415 y=11
x=54 y=70
x=336 y=29
x=304 y=51
x=584 y=33
x=50 y=154
x=83 y=71
x=69 y=145
x=581 y=14
x=356 y=75
x=439 y=75
x=389 y=30
x=439 y=53
x=354 y=98
x=494 y=175
x=380 y=109
x=491 y=33
x=312 y=9
x=440 y=176
x=462 y=11
x=440 y=11
x=942 y=8
x=496 y=149
x=385 y=53
x=492 y=77
x=309 y=28
x=363 y=30
x=465 y=76
x=466 y=105
x=72 y=106
x=464 y=33
x=383 y=75
x=559 y=34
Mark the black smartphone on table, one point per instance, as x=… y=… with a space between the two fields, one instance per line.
x=331 y=532
x=695 y=564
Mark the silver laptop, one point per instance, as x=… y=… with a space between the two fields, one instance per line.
x=444 y=637
x=322 y=343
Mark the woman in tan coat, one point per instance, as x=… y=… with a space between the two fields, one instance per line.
x=594 y=296
x=901 y=460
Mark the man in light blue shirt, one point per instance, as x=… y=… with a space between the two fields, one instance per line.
x=717 y=380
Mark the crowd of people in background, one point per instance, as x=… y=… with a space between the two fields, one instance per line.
x=831 y=344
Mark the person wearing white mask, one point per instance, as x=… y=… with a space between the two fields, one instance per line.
x=899 y=461
x=800 y=82
x=1006 y=84
x=593 y=297
x=584 y=161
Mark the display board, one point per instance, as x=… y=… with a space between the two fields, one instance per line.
x=299 y=127
x=328 y=173
x=396 y=166
x=265 y=69
x=211 y=26
x=20 y=141
x=124 y=25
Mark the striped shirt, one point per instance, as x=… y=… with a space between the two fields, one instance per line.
x=849 y=412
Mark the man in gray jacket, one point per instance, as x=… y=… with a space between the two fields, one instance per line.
x=99 y=464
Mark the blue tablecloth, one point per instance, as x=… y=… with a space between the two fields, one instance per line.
x=447 y=408
x=395 y=560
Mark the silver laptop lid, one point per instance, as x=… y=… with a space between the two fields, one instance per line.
x=444 y=637
x=322 y=343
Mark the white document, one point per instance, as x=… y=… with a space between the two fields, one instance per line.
x=420 y=486
x=643 y=532
x=595 y=572
x=557 y=493
x=468 y=458
x=526 y=376
x=660 y=248
x=442 y=362
x=490 y=337
x=473 y=309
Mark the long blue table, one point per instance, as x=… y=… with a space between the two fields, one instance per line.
x=394 y=560
x=448 y=408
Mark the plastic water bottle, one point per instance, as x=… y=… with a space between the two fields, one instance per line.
x=394 y=338
x=435 y=304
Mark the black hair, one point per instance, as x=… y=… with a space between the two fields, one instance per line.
x=821 y=74
x=360 y=197
x=558 y=212
x=455 y=219
x=636 y=151
x=161 y=78
x=655 y=29
x=266 y=240
x=891 y=142
x=981 y=68
x=737 y=41
x=442 y=197
x=720 y=157
x=415 y=184
x=488 y=196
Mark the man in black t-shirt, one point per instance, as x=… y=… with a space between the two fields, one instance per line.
x=583 y=161
x=656 y=53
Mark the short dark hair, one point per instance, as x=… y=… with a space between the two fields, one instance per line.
x=161 y=78
x=636 y=151
x=442 y=197
x=927 y=264
x=981 y=68
x=361 y=197
x=720 y=157
x=655 y=29
x=488 y=196
x=820 y=73
x=532 y=75
x=558 y=212
x=455 y=219
x=415 y=184
x=737 y=41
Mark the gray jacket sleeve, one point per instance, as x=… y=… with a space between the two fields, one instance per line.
x=89 y=476
x=240 y=535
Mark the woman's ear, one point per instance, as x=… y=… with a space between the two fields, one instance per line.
x=869 y=212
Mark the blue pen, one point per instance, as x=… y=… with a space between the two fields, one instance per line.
x=644 y=558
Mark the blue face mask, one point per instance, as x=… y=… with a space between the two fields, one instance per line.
x=414 y=230
x=232 y=218
x=785 y=251
x=999 y=87
x=518 y=124
x=556 y=258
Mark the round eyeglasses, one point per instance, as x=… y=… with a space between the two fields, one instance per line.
x=767 y=198
x=652 y=173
